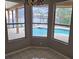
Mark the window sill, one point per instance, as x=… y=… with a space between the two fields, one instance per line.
x=61 y=42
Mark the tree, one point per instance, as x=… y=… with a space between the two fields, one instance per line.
x=63 y=16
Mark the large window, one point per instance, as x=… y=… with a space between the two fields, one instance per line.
x=40 y=20
x=62 y=23
x=15 y=23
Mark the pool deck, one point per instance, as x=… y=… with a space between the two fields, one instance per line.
x=13 y=35
x=56 y=26
x=62 y=38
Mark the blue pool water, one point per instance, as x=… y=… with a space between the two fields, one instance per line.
x=61 y=31
x=43 y=31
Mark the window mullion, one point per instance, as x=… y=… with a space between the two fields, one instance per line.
x=17 y=26
x=25 y=18
x=28 y=20
x=51 y=20
x=71 y=30
x=12 y=19
x=8 y=16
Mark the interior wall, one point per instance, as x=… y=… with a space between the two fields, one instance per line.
x=64 y=49
x=17 y=44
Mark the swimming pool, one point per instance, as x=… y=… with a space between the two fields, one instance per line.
x=43 y=32
x=64 y=32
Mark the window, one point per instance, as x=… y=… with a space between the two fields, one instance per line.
x=62 y=23
x=40 y=20
x=15 y=24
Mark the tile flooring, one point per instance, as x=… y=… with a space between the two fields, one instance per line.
x=37 y=53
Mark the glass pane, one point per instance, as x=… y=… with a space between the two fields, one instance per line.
x=21 y=15
x=62 y=23
x=40 y=14
x=16 y=28
x=61 y=33
x=9 y=19
x=40 y=20
x=63 y=16
x=39 y=30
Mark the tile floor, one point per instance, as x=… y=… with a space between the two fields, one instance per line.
x=37 y=53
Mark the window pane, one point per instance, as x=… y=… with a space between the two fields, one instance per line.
x=16 y=28
x=63 y=16
x=39 y=30
x=9 y=20
x=40 y=14
x=62 y=23
x=61 y=33
x=21 y=15
x=40 y=20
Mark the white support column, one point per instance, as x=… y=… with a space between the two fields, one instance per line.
x=8 y=16
x=17 y=26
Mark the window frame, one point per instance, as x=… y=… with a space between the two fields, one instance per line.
x=52 y=36
x=40 y=23
x=15 y=23
x=49 y=36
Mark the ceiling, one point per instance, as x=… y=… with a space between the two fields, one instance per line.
x=9 y=4
x=15 y=0
x=26 y=0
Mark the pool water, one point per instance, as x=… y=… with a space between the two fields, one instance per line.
x=39 y=32
x=64 y=32
x=43 y=32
